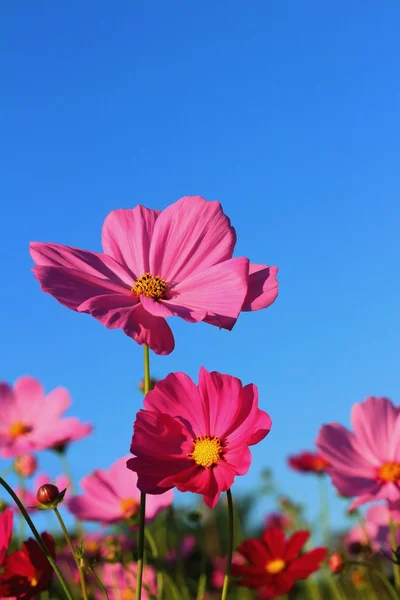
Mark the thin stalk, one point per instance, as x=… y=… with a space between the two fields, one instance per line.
x=66 y=467
x=39 y=540
x=312 y=589
x=71 y=547
x=224 y=594
x=98 y=580
x=142 y=514
x=324 y=509
x=202 y=583
x=21 y=520
x=154 y=552
x=393 y=544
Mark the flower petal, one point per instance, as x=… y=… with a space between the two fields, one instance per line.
x=73 y=276
x=295 y=543
x=307 y=563
x=144 y=328
x=219 y=290
x=178 y=396
x=112 y=310
x=274 y=540
x=166 y=309
x=338 y=445
x=189 y=236
x=262 y=287
x=374 y=442
x=126 y=236
x=254 y=552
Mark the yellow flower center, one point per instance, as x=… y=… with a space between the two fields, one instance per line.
x=389 y=472
x=127 y=594
x=207 y=451
x=129 y=507
x=18 y=428
x=275 y=566
x=33 y=581
x=152 y=287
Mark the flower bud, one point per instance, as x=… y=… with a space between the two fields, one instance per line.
x=25 y=465
x=48 y=494
x=336 y=562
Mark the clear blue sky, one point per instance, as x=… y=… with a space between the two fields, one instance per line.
x=286 y=112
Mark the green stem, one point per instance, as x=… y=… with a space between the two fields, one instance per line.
x=393 y=544
x=202 y=583
x=378 y=574
x=38 y=538
x=142 y=514
x=224 y=594
x=154 y=552
x=312 y=589
x=98 y=580
x=324 y=509
x=71 y=547
x=21 y=520
x=335 y=587
x=66 y=467
x=140 y=561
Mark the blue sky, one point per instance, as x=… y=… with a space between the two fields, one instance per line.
x=286 y=112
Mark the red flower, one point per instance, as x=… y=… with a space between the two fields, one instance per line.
x=274 y=564
x=309 y=462
x=27 y=572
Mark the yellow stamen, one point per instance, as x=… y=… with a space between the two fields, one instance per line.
x=18 y=428
x=275 y=566
x=207 y=451
x=129 y=507
x=152 y=287
x=389 y=472
x=33 y=581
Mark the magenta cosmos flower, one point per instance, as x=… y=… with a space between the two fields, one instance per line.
x=31 y=421
x=196 y=438
x=365 y=464
x=177 y=262
x=112 y=496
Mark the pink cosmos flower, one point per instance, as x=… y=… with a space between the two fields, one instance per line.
x=31 y=421
x=120 y=581
x=112 y=496
x=374 y=532
x=196 y=438
x=177 y=262
x=25 y=465
x=6 y=524
x=366 y=463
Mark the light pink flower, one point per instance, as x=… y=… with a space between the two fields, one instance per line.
x=120 y=581
x=177 y=262
x=31 y=421
x=196 y=438
x=6 y=524
x=112 y=496
x=374 y=532
x=365 y=464
x=25 y=465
